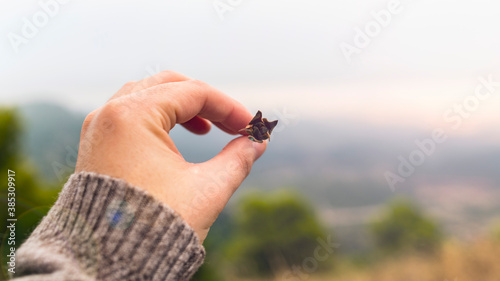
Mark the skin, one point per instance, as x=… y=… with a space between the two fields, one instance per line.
x=128 y=138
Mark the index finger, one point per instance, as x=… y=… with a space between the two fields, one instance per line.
x=179 y=102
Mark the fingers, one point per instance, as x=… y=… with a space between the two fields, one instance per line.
x=198 y=125
x=182 y=101
x=232 y=165
x=223 y=128
x=163 y=77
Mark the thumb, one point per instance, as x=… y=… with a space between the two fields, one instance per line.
x=233 y=164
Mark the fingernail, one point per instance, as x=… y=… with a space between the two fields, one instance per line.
x=259 y=149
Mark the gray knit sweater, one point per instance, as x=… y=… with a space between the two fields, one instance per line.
x=102 y=228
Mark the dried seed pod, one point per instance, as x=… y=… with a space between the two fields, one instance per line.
x=259 y=129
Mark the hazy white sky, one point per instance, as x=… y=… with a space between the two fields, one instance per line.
x=268 y=54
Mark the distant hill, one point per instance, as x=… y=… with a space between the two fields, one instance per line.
x=51 y=132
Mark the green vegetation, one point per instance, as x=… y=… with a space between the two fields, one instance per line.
x=273 y=232
x=9 y=138
x=494 y=232
x=403 y=228
x=33 y=198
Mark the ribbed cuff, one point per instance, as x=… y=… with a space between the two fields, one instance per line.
x=116 y=231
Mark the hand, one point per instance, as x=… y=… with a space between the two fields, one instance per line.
x=128 y=138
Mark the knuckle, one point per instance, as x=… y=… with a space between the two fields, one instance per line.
x=115 y=110
x=127 y=87
x=197 y=88
x=129 y=84
x=88 y=120
x=167 y=73
x=165 y=76
x=198 y=83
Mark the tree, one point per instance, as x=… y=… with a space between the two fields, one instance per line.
x=10 y=128
x=273 y=233
x=218 y=237
x=403 y=228
x=33 y=198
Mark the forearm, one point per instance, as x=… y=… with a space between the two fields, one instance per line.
x=105 y=229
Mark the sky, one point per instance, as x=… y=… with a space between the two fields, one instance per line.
x=418 y=60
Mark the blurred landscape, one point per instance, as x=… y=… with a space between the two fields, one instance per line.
x=337 y=169
x=339 y=165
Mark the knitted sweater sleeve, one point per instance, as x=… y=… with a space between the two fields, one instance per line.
x=102 y=228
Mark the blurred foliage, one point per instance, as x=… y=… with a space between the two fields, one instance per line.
x=9 y=138
x=220 y=233
x=273 y=232
x=33 y=198
x=494 y=232
x=208 y=272
x=403 y=228
x=455 y=261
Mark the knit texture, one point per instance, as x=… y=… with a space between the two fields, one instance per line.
x=102 y=228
